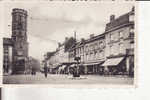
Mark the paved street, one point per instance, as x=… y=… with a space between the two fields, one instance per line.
x=66 y=79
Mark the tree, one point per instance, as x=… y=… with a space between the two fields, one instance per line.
x=69 y=43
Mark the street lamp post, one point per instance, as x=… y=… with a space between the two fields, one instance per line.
x=77 y=67
x=77 y=59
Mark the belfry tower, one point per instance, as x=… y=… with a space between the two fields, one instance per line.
x=19 y=38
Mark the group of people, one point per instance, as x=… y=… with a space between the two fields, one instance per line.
x=75 y=73
x=33 y=71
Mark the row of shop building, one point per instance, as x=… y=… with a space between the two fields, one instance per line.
x=110 y=53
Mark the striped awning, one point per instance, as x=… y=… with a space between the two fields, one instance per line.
x=113 y=61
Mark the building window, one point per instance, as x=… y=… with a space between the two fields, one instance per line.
x=91 y=47
x=131 y=32
x=103 y=44
x=121 y=48
x=102 y=54
x=86 y=50
x=21 y=47
x=87 y=57
x=111 y=50
x=95 y=55
x=96 y=46
x=132 y=45
x=110 y=36
x=121 y=34
x=23 y=19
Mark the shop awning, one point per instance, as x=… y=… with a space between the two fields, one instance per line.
x=68 y=63
x=62 y=67
x=55 y=66
x=72 y=65
x=112 y=61
x=88 y=64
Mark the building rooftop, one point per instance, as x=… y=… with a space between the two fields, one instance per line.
x=115 y=22
x=18 y=10
x=97 y=37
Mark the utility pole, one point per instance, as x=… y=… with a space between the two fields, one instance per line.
x=75 y=43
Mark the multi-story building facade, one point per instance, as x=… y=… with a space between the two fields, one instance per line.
x=50 y=61
x=19 y=41
x=72 y=54
x=91 y=53
x=94 y=54
x=62 y=55
x=7 y=55
x=77 y=51
x=59 y=59
x=119 y=34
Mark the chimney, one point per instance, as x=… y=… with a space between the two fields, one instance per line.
x=133 y=8
x=82 y=40
x=91 y=36
x=112 y=18
x=66 y=38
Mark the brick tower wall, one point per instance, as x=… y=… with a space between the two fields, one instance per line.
x=19 y=37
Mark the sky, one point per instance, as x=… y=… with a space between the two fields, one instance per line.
x=50 y=23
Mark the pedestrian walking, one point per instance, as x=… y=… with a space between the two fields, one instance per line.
x=45 y=70
x=33 y=71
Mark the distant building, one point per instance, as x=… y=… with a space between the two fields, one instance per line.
x=18 y=41
x=57 y=59
x=72 y=54
x=119 y=34
x=33 y=65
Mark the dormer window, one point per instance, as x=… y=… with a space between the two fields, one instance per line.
x=131 y=18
